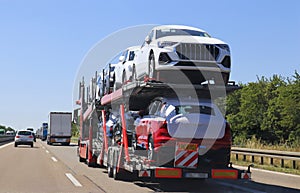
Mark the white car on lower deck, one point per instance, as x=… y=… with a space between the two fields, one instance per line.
x=171 y=50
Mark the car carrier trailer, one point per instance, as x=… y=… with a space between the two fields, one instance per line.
x=98 y=147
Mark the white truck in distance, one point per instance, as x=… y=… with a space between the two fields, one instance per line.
x=59 y=130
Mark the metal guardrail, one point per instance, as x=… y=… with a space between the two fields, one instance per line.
x=272 y=154
x=5 y=138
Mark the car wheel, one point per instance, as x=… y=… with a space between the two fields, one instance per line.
x=225 y=78
x=16 y=145
x=31 y=145
x=133 y=76
x=134 y=142
x=150 y=151
x=124 y=78
x=115 y=87
x=151 y=66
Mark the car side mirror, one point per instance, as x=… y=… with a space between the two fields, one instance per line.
x=147 y=40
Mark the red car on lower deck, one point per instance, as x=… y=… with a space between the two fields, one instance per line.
x=168 y=121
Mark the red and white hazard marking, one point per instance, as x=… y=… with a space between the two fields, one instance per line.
x=186 y=159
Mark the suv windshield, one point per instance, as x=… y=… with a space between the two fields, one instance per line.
x=179 y=32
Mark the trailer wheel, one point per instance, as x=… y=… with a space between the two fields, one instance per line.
x=109 y=164
x=81 y=159
x=87 y=161
x=109 y=171
x=115 y=163
x=118 y=175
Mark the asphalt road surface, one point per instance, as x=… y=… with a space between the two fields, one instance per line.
x=52 y=169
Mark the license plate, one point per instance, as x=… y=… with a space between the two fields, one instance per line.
x=196 y=175
x=187 y=146
x=60 y=140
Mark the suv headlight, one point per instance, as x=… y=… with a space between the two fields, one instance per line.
x=165 y=44
x=224 y=47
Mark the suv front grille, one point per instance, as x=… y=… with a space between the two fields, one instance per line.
x=187 y=51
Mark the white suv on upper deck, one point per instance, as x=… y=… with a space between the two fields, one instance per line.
x=191 y=50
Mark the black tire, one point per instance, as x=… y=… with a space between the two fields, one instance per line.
x=109 y=171
x=133 y=77
x=89 y=164
x=16 y=145
x=31 y=145
x=225 y=78
x=124 y=78
x=116 y=174
x=81 y=159
x=151 y=66
x=121 y=174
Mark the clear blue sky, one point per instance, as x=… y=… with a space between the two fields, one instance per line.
x=42 y=43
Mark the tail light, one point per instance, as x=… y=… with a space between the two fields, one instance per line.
x=30 y=136
x=17 y=136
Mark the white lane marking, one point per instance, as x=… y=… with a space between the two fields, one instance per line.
x=239 y=187
x=267 y=171
x=3 y=146
x=54 y=159
x=47 y=151
x=73 y=180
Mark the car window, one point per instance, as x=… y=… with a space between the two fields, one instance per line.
x=168 y=110
x=158 y=109
x=151 y=35
x=131 y=56
x=178 y=32
x=163 y=110
x=115 y=59
x=153 y=107
x=24 y=133
x=125 y=54
x=112 y=68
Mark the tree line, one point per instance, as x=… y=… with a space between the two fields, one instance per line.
x=268 y=109
x=6 y=128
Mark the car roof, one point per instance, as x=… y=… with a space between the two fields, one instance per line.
x=25 y=130
x=177 y=27
x=133 y=48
